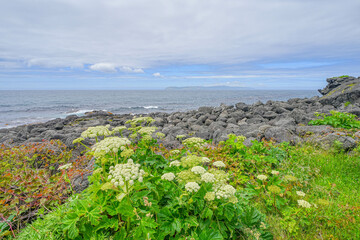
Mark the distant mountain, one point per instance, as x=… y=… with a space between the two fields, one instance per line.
x=199 y=88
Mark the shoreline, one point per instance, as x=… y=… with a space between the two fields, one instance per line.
x=282 y=121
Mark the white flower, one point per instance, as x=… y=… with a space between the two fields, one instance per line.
x=128 y=172
x=175 y=163
x=225 y=191
x=208 y=178
x=118 y=129
x=108 y=145
x=147 y=130
x=180 y=136
x=194 y=141
x=262 y=177
x=209 y=196
x=219 y=164
x=93 y=132
x=304 y=204
x=300 y=193
x=273 y=172
x=66 y=166
x=206 y=160
x=168 y=176
x=192 y=187
x=174 y=152
x=198 y=170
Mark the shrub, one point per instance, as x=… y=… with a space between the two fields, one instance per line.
x=337 y=119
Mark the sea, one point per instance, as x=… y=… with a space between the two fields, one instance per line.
x=26 y=107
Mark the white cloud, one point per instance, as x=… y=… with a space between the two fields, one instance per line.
x=157 y=75
x=131 y=70
x=155 y=33
x=104 y=67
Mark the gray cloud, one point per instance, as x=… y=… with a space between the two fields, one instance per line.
x=140 y=34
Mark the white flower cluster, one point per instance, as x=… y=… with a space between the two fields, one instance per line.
x=219 y=164
x=180 y=136
x=262 y=177
x=274 y=172
x=128 y=172
x=118 y=129
x=198 y=170
x=225 y=191
x=174 y=152
x=78 y=140
x=300 y=193
x=192 y=187
x=93 y=132
x=110 y=144
x=168 y=176
x=175 y=163
x=66 y=166
x=147 y=130
x=139 y=120
x=206 y=160
x=194 y=141
x=208 y=178
x=304 y=204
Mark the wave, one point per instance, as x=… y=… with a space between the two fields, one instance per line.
x=150 y=107
x=80 y=112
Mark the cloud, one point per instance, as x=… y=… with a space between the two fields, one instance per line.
x=131 y=70
x=186 y=32
x=104 y=67
x=157 y=74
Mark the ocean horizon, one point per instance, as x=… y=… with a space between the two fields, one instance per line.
x=19 y=107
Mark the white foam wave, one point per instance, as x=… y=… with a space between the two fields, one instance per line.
x=79 y=112
x=150 y=107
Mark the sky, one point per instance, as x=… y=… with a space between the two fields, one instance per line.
x=141 y=44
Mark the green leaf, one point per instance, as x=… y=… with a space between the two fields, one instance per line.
x=210 y=234
x=176 y=224
x=207 y=213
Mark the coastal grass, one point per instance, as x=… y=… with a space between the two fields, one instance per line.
x=283 y=192
x=332 y=181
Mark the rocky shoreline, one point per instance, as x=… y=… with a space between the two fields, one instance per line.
x=282 y=121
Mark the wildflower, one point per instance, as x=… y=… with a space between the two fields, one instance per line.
x=192 y=187
x=273 y=172
x=147 y=130
x=180 y=136
x=206 y=160
x=187 y=176
x=219 y=164
x=300 y=193
x=168 y=176
x=119 y=129
x=262 y=177
x=233 y=199
x=133 y=136
x=220 y=175
x=209 y=196
x=225 y=191
x=110 y=144
x=194 y=142
x=139 y=120
x=147 y=138
x=208 y=178
x=78 y=140
x=290 y=178
x=304 y=204
x=198 y=170
x=191 y=161
x=160 y=135
x=274 y=189
x=127 y=153
x=175 y=163
x=93 y=132
x=66 y=166
x=128 y=172
x=263 y=225
x=107 y=186
x=174 y=152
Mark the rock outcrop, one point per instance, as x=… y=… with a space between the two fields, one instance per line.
x=341 y=90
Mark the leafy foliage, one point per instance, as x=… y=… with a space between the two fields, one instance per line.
x=337 y=120
x=30 y=181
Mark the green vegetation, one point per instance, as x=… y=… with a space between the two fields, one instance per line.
x=343 y=76
x=31 y=181
x=142 y=190
x=337 y=120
